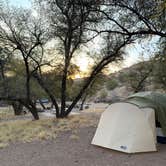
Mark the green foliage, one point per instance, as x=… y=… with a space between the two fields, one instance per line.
x=137 y=76
x=123 y=77
x=96 y=85
x=15 y=81
x=159 y=72
x=36 y=91
x=111 y=84
x=103 y=94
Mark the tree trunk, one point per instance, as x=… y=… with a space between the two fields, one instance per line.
x=28 y=104
x=81 y=93
x=27 y=84
x=17 y=107
x=63 y=91
x=31 y=107
x=68 y=56
x=5 y=82
x=83 y=102
x=33 y=110
x=140 y=85
x=34 y=113
x=43 y=106
x=43 y=86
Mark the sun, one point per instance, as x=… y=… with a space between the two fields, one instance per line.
x=82 y=62
x=77 y=76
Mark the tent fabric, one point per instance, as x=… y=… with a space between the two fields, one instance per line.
x=154 y=100
x=122 y=127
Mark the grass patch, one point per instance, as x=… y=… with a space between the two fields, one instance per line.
x=27 y=130
x=74 y=137
x=96 y=110
x=3 y=145
x=6 y=113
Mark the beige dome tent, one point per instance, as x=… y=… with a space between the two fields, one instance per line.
x=126 y=127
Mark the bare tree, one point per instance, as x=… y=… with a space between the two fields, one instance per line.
x=68 y=20
x=134 y=17
x=74 y=23
x=121 y=22
x=24 y=35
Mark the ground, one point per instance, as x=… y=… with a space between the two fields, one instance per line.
x=66 y=142
x=75 y=151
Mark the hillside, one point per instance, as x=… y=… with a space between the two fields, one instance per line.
x=139 y=77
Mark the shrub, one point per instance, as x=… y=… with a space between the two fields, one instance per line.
x=112 y=84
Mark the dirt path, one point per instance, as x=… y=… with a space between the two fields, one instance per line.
x=75 y=151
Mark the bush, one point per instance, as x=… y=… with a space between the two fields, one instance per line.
x=112 y=84
x=103 y=95
x=123 y=77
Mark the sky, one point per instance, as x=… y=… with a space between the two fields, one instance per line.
x=20 y=3
x=133 y=55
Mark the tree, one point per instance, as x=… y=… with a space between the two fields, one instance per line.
x=138 y=78
x=70 y=19
x=12 y=83
x=73 y=24
x=5 y=56
x=159 y=73
x=17 y=107
x=92 y=90
x=24 y=35
x=146 y=17
x=160 y=58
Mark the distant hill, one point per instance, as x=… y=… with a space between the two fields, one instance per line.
x=123 y=83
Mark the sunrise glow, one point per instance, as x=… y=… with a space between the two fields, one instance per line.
x=83 y=62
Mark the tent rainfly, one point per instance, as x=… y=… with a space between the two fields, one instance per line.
x=154 y=100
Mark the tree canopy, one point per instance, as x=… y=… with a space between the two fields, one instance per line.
x=70 y=25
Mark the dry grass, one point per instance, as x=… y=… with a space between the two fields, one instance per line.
x=94 y=110
x=27 y=130
x=3 y=145
x=6 y=113
x=74 y=137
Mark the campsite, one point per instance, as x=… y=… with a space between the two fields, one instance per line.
x=82 y=83
x=73 y=142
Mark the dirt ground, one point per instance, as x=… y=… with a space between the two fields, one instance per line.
x=75 y=150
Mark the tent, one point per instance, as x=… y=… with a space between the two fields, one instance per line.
x=129 y=126
x=126 y=127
